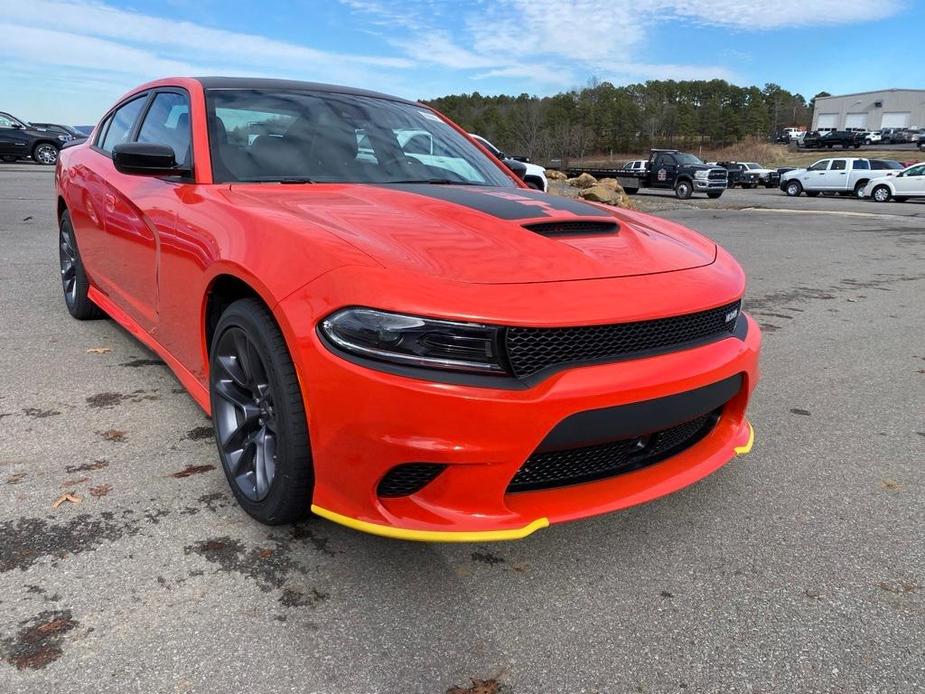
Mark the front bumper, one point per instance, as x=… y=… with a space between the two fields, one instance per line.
x=364 y=422
x=709 y=184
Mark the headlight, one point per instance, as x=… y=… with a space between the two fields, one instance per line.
x=64 y=138
x=701 y=174
x=415 y=341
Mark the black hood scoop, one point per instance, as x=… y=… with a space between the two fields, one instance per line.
x=573 y=227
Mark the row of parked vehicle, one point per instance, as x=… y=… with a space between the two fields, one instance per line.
x=39 y=141
x=880 y=180
x=856 y=138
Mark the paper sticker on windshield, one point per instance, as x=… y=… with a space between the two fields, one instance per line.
x=430 y=116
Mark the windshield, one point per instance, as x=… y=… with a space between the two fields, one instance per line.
x=752 y=165
x=325 y=137
x=685 y=158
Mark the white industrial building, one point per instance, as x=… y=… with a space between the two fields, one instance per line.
x=888 y=108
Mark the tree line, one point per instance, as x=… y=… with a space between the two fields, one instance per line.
x=603 y=119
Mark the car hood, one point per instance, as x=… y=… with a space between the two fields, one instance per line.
x=477 y=234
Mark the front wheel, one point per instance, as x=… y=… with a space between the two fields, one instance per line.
x=881 y=194
x=683 y=190
x=259 y=416
x=45 y=153
x=714 y=195
x=793 y=189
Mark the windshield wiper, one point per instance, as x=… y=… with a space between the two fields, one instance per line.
x=277 y=179
x=437 y=182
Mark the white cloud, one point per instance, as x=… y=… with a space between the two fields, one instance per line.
x=757 y=15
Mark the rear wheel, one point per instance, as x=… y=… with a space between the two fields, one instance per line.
x=793 y=189
x=259 y=416
x=859 y=188
x=45 y=153
x=881 y=194
x=683 y=190
x=74 y=280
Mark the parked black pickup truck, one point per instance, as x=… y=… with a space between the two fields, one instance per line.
x=845 y=138
x=18 y=140
x=681 y=172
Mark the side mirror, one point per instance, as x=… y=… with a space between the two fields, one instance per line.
x=146 y=159
x=519 y=168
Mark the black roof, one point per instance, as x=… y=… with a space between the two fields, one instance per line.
x=264 y=83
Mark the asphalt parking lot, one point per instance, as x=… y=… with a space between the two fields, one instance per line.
x=799 y=568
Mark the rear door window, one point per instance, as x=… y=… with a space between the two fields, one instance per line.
x=839 y=165
x=121 y=124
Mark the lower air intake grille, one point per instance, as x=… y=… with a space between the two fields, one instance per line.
x=406 y=479
x=574 y=465
x=531 y=350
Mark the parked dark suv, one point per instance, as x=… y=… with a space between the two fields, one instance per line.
x=19 y=140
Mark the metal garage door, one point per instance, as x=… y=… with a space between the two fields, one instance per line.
x=895 y=119
x=856 y=120
x=827 y=120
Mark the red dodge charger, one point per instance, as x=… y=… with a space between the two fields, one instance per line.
x=387 y=327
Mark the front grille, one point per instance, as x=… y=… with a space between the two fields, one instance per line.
x=572 y=228
x=531 y=350
x=575 y=465
x=408 y=478
x=717 y=174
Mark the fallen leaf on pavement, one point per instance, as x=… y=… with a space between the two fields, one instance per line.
x=69 y=496
x=98 y=350
x=100 y=490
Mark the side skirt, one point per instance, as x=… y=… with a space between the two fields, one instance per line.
x=199 y=393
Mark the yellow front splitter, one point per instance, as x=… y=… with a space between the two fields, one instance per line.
x=431 y=535
x=742 y=450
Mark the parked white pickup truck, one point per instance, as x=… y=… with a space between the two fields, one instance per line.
x=845 y=175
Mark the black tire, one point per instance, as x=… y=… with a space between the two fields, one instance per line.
x=714 y=195
x=683 y=190
x=45 y=153
x=812 y=193
x=793 y=189
x=631 y=191
x=258 y=415
x=881 y=194
x=859 y=188
x=74 y=280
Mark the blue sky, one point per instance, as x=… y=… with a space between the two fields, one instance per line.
x=67 y=61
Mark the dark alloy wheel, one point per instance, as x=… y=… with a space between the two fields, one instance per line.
x=683 y=190
x=45 y=153
x=258 y=415
x=73 y=278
